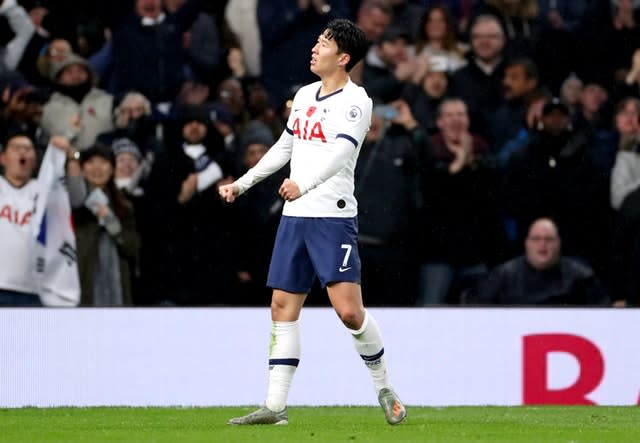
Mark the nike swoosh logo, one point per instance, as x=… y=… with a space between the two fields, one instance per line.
x=341 y=269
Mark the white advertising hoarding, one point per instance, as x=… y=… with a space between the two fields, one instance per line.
x=218 y=356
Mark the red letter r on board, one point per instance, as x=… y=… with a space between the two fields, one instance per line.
x=535 y=349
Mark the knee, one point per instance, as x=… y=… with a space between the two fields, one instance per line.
x=277 y=308
x=351 y=318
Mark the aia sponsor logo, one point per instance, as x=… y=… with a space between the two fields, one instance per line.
x=14 y=215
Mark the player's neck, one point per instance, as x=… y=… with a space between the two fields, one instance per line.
x=333 y=83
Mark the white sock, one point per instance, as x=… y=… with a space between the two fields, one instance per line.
x=368 y=342
x=284 y=356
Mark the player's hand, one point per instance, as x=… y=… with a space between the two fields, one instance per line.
x=229 y=192
x=289 y=190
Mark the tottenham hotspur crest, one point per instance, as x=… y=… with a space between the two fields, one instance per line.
x=354 y=114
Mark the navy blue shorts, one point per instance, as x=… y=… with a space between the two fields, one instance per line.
x=307 y=247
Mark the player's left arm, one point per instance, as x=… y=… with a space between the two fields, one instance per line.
x=357 y=118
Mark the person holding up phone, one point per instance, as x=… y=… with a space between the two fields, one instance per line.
x=107 y=239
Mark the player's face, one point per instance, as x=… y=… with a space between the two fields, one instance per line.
x=324 y=56
x=18 y=159
x=543 y=245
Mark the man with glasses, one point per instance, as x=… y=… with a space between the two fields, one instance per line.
x=479 y=83
x=542 y=276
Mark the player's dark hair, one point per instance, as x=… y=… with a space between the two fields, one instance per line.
x=349 y=38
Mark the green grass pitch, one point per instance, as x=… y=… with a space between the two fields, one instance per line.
x=576 y=424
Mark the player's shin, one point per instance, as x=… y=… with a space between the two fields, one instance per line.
x=284 y=356
x=368 y=343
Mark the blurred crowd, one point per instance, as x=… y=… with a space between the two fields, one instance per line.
x=502 y=165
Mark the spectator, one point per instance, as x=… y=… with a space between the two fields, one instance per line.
x=625 y=178
x=151 y=41
x=203 y=45
x=437 y=40
x=107 y=239
x=424 y=99
x=133 y=120
x=591 y=115
x=387 y=67
x=77 y=109
x=520 y=21
x=373 y=17
x=186 y=259
x=460 y=227
x=528 y=126
x=521 y=89
x=18 y=195
x=479 y=83
x=542 y=276
x=52 y=53
x=625 y=198
x=555 y=175
x=392 y=149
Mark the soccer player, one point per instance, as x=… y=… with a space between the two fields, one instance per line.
x=317 y=235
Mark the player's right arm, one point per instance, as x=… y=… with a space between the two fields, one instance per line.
x=272 y=161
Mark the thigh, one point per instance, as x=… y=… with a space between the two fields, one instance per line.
x=333 y=247
x=435 y=281
x=291 y=269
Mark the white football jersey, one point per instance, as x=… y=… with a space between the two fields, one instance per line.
x=17 y=265
x=315 y=124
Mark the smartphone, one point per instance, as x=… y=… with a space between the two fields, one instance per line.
x=386 y=112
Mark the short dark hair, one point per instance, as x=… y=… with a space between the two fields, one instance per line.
x=12 y=133
x=349 y=38
x=528 y=65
